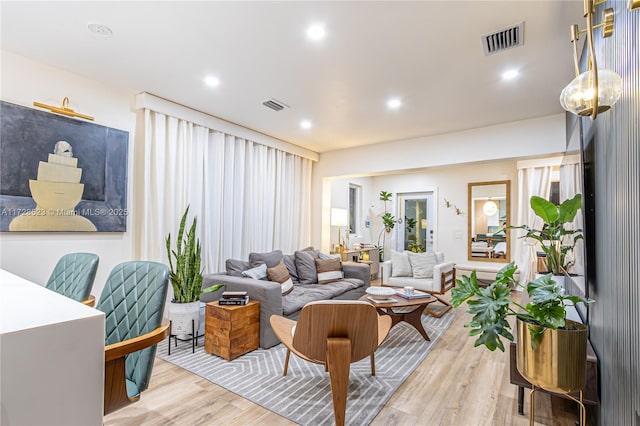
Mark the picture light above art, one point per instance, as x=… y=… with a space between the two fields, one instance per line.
x=63 y=109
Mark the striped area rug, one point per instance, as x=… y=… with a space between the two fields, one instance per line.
x=304 y=395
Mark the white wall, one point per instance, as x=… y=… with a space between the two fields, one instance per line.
x=451 y=230
x=33 y=255
x=523 y=139
x=340 y=199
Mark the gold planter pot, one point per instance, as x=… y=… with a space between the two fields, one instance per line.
x=558 y=363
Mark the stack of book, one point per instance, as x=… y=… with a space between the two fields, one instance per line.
x=416 y=294
x=234 y=298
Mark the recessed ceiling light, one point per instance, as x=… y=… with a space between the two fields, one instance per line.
x=305 y=124
x=510 y=74
x=394 y=103
x=212 y=81
x=316 y=32
x=100 y=29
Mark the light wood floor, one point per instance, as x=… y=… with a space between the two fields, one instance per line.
x=456 y=384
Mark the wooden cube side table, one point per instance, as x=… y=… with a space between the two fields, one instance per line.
x=231 y=330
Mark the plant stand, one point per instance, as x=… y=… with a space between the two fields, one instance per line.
x=583 y=410
x=194 y=338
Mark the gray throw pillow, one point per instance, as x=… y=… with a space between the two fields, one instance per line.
x=306 y=266
x=290 y=262
x=235 y=267
x=257 y=273
x=271 y=259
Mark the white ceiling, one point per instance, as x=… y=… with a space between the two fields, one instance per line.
x=429 y=54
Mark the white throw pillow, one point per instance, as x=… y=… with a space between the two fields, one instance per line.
x=422 y=264
x=257 y=273
x=400 y=266
x=439 y=257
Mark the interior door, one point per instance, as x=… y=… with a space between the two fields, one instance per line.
x=415 y=232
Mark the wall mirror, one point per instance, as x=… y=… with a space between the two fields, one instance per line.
x=489 y=212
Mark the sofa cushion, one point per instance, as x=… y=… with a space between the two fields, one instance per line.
x=439 y=257
x=270 y=259
x=290 y=262
x=306 y=266
x=303 y=294
x=400 y=266
x=422 y=264
x=329 y=270
x=257 y=273
x=280 y=274
x=235 y=267
x=424 y=284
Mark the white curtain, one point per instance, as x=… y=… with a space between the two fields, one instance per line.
x=247 y=196
x=570 y=185
x=531 y=181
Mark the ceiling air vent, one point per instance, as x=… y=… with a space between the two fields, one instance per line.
x=275 y=104
x=503 y=39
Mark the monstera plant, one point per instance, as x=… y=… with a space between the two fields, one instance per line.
x=491 y=306
x=557 y=241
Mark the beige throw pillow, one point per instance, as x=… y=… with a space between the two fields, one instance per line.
x=280 y=274
x=422 y=264
x=400 y=266
x=329 y=270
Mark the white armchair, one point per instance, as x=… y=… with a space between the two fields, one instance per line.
x=442 y=280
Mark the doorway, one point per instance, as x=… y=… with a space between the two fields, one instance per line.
x=415 y=232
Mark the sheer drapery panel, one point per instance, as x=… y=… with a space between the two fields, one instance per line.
x=531 y=181
x=247 y=196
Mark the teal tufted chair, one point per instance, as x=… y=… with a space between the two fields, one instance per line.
x=73 y=276
x=133 y=301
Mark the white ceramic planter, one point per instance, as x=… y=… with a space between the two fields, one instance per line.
x=181 y=315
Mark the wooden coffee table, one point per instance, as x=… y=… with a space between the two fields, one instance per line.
x=401 y=309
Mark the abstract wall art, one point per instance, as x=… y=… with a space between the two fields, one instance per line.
x=60 y=174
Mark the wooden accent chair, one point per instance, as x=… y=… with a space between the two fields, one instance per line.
x=133 y=301
x=73 y=277
x=334 y=333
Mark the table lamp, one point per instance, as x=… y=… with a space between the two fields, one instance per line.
x=339 y=217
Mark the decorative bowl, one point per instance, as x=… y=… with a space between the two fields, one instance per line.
x=380 y=293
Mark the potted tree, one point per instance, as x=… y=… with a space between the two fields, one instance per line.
x=556 y=240
x=388 y=223
x=551 y=349
x=185 y=274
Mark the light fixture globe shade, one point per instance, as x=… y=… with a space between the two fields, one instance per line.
x=490 y=208
x=577 y=97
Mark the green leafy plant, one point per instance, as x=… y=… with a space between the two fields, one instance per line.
x=410 y=223
x=555 y=239
x=388 y=222
x=491 y=306
x=185 y=271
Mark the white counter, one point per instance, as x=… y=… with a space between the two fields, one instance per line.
x=51 y=357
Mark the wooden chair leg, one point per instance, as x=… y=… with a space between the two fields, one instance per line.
x=339 y=362
x=286 y=363
x=373 y=364
x=433 y=313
